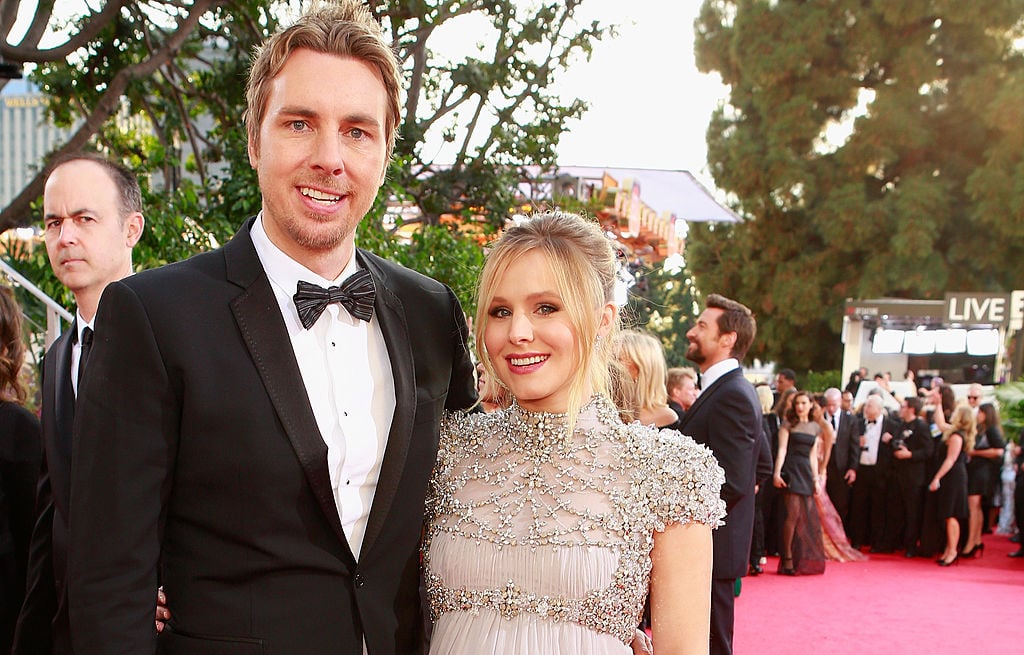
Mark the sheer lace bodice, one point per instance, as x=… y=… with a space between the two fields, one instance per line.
x=553 y=532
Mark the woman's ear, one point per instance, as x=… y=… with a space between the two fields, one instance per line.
x=609 y=314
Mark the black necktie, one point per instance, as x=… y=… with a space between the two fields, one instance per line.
x=355 y=294
x=84 y=355
x=835 y=423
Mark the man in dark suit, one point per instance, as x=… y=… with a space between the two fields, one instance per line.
x=912 y=448
x=727 y=418
x=844 y=457
x=92 y=215
x=870 y=488
x=261 y=445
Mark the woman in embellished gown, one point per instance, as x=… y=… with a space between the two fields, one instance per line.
x=549 y=521
x=833 y=534
x=796 y=475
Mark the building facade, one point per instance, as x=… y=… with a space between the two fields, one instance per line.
x=26 y=137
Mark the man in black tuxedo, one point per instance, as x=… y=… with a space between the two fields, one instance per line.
x=868 y=496
x=727 y=418
x=92 y=218
x=912 y=447
x=844 y=457
x=261 y=445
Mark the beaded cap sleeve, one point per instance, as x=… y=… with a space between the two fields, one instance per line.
x=544 y=538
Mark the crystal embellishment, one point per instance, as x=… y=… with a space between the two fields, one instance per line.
x=527 y=519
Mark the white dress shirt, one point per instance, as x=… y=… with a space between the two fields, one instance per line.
x=715 y=371
x=349 y=383
x=833 y=420
x=872 y=437
x=76 y=350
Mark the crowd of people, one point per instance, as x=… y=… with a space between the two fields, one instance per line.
x=917 y=480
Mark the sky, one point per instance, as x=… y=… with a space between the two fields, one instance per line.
x=649 y=106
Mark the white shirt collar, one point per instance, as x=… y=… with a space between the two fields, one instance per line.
x=81 y=324
x=284 y=271
x=715 y=371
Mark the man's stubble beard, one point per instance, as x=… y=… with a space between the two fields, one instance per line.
x=316 y=239
x=694 y=354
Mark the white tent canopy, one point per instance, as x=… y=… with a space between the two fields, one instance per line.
x=675 y=192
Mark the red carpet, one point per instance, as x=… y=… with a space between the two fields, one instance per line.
x=887 y=605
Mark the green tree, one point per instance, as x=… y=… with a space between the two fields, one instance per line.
x=494 y=108
x=664 y=302
x=924 y=196
x=161 y=83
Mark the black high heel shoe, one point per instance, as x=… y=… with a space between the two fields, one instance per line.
x=955 y=560
x=975 y=552
x=787 y=570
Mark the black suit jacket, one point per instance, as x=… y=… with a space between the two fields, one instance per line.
x=726 y=417
x=197 y=449
x=846 y=448
x=43 y=622
x=919 y=442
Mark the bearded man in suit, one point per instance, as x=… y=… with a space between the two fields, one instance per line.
x=258 y=424
x=727 y=418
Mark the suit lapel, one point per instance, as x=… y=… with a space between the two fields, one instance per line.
x=390 y=314
x=64 y=393
x=58 y=430
x=259 y=320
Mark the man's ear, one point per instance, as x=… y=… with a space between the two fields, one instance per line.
x=253 y=148
x=133 y=232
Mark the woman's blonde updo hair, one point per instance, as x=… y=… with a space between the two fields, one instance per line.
x=583 y=264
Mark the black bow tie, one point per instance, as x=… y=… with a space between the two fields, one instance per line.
x=872 y=422
x=355 y=294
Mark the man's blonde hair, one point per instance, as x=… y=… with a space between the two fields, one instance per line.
x=344 y=28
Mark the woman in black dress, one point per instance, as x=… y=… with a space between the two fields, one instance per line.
x=982 y=474
x=796 y=476
x=20 y=453
x=949 y=484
